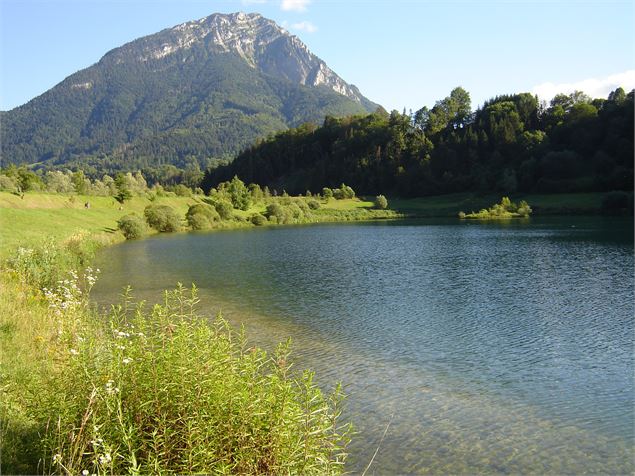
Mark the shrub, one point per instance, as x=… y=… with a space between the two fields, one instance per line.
x=524 y=209
x=162 y=218
x=347 y=192
x=182 y=191
x=327 y=193
x=277 y=213
x=198 y=221
x=258 y=219
x=166 y=391
x=201 y=216
x=224 y=208
x=313 y=204
x=132 y=226
x=380 y=202
x=8 y=184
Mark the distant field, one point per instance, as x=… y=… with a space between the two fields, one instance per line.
x=24 y=221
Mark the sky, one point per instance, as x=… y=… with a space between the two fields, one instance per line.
x=401 y=54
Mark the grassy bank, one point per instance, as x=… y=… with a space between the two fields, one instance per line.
x=139 y=390
x=24 y=221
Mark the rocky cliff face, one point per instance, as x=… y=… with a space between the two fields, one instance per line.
x=262 y=43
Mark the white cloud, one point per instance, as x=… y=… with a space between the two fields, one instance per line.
x=294 y=5
x=594 y=87
x=306 y=26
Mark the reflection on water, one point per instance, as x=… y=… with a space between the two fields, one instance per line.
x=490 y=347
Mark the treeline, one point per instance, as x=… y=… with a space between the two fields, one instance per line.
x=513 y=143
x=22 y=179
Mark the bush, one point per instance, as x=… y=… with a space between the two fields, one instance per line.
x=166 y=391
x=198 y=221
x=327 y=193
x=162 y=218
x=224 y=208
x=8 y=184
x=313 y=204
x=132 y=226
x=201 y=216
x=277 y=213
x=380 y=202
x=258 y=219
x=182 y=191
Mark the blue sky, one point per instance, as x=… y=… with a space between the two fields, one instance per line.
x=399 y=53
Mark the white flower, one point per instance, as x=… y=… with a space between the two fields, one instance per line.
x=73 y=352
x=103 y=459
x=127 y=360
x=57 y=458
x=85 y=472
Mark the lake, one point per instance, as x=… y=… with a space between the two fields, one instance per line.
x=482 y=347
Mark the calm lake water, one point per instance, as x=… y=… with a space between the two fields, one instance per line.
x=488 y=347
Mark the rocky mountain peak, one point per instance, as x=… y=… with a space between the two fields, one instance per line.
x=261 y=42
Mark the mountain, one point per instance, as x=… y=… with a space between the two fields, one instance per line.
x=204 y=88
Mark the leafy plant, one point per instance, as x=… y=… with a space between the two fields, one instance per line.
x=162 y=218
x=132 y=226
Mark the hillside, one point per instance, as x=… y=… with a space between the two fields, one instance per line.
x=202 y=89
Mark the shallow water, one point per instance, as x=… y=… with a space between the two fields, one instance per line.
x=488 y=347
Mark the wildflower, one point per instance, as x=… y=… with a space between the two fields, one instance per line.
x=74 y=352
x=104 y=459
x=110 y=388
x=85 y=472
x=57 y=458
x=127 y=360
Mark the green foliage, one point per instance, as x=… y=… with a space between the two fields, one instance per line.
x=258 y=219
x=8 y=184
x=181 y=190
x=327 y=193
x=47 y=264
x=201 y=216
x=123 y=188
x=160 y=390
x=132 y=226
x=511 y=144
x=224 y=208
x=503 y=210
x=238 y=193
x=162 y=218
x=381 y=203
x=313 y=204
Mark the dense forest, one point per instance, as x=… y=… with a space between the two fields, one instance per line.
x=511 y=143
